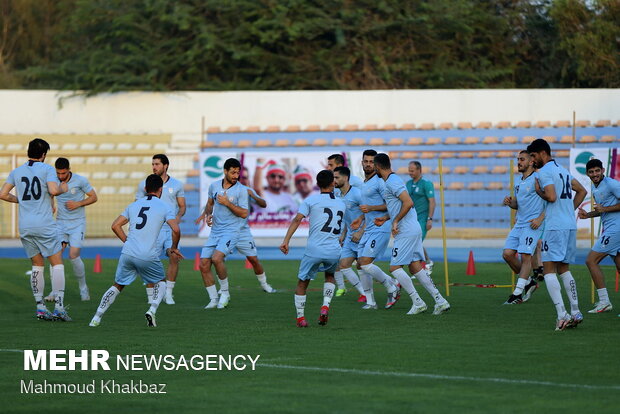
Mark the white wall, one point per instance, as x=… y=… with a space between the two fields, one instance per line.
x=29 y=112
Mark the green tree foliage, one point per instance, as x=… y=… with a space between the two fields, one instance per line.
x=111 y=45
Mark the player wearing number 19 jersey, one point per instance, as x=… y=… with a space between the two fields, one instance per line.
x=555 y=185
x=325 y=213
x=34 y=182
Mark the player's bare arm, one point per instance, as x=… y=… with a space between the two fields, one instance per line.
x=176 y=236
x=292 y=228
x=406 y=205
x=366 y=208
x=431 y=210
x=236 y=210
x=609 y=209
x=207 y=214
x=182 y=208
x=510 y=202
x=259 y=201
x=379 y=221
x=90 y=199
x=548 y=193
x=580 y=193
x=54 y=189
x=117 y=227
x=537 y=222
x=6 y=195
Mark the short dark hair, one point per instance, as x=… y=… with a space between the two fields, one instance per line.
x=231 y=163
x=324 y=178
x=593 y=163
x=524 y=152
x=153 y=183
x=539 y=145
x=343 y=170
x=337 y=157
x=417 y=164
x=369 y=153
x=62 y=164
x=37 y=147
x=383 y=161
x=162 y=157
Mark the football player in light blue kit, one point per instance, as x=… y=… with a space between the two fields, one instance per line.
x=407 y=249
x=375 y=240
x=141 y=249
x=325 y=213
x=606 y=195
x=349 y=239
x=34 y=183
x=225 y=212
x=173 y=195
x=555 y=185
x=334 y=161
x=71 y=219
x=527 y=231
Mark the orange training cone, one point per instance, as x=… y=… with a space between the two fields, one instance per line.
x=471 y=266
x=197 y=261
x=97 y=266
x=248 y=265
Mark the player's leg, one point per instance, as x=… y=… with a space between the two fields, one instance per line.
x=259 y=271
x=553 y=252
x=346 y=261
x=339 y=278
x=51 y=248
x=219 y=262
x=171 y=278
x=593 y=263
x=537 y=266
x=207 y=278
x=402 y=255
x=329 y=288
x=375 y=246
x=418 y=305
x=37 y=284
x=152 y=273
x=570 y=286
x=511 y=245
x=422 y=220
x=79 y=271
x=308 y=267
x=126 y=273
x=416 y=269
x=526 y=285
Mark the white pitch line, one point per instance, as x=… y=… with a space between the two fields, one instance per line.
x=443 y=377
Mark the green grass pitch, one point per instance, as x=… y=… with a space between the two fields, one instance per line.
x=480 y=357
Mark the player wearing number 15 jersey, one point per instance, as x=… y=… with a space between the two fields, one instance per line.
x=555 y=185
x=141 y=249
x=326 y=214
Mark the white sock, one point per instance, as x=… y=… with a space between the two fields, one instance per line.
x=339 y=279
x=80 y=273
x=555 y=292
x=159 y=291
x=169 y=286
x=300 y=305
x=224 y=285
x=353 y=279
x=428 y=284
x=368 y=287
x=406 y=283
x=520 y=286
x=212 y=291
x=328 y=293
x=149 y=295
x=58 y=285
x=603 y=296
x=106 y=301
x=262 y=278
x=378 y=274
x=571 y=291
x=37 y=282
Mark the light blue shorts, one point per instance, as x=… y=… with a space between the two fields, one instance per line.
x=373 y=244
x=246 y=244
x=523 y=239
x=349 y=249
x=224 y=243
x=164 y=239
x=309 y=267
x=407 y=248
x=44 y=240
x=72 y=232
x=559 y=246
x=129 y=267
x=608 y=243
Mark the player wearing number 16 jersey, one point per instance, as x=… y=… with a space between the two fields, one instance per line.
x=141 y=249
x=555 y=185
x=326 y=214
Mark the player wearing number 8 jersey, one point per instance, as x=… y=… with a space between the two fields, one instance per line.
x=34 y=182
x=325 y=213
x=555 y=185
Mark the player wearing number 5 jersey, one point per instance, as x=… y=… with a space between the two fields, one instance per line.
x=326 y=214
x=555 y=185
x=606 y=194
x=34 y=182
x=141 y=249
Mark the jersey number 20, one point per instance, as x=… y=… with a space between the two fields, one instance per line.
x=31 y=190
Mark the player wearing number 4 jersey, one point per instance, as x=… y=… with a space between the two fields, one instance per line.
x=555 y=185
x=606 y=194
x=407 y=249
x=34 y=182
x=326 y=214
x=141 y=249
x=524 y=237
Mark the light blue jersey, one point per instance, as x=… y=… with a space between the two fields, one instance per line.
x=352 y=200
x=30 y=182
x=78 y=187
x=529 y=204
x=559 y=215
x=246 y=225
x=224 y=220
x=172 y=190
x=607 y=193
x=356 y=182
x=394 y=187
x=146 y=217
x=326 y=214
x=372 y=195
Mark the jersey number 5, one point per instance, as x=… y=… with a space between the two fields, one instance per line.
x=330 y=216
x=142 y=215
